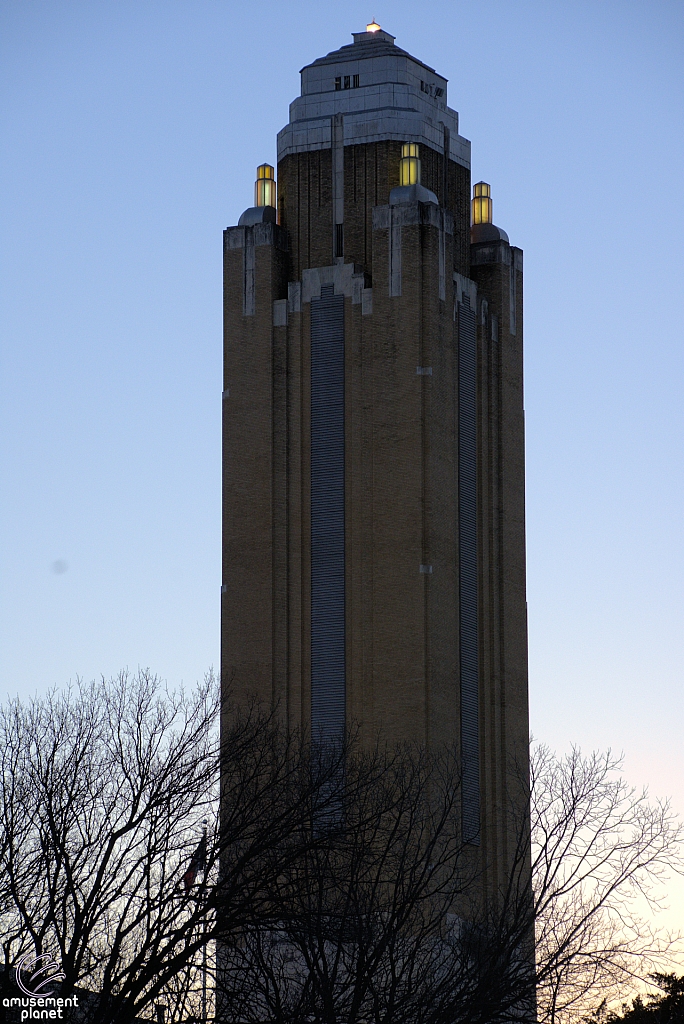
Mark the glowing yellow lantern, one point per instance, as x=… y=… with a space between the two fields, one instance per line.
x=265 y=187
x=409 y=165
x=482 y=203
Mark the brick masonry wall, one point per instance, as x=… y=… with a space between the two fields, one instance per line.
x=503 y=614
x=248 y=460
x=371 y=171
x=401 y=473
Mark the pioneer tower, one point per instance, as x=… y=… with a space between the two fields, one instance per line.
x=373 y=448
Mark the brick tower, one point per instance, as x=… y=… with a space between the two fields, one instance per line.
x=373 y=448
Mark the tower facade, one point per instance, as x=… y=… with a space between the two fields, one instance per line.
x=373 y=437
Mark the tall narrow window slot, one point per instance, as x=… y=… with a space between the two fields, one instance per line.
x=327 y=517
x=467 y=544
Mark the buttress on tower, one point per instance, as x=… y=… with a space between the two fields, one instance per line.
x=373 y=436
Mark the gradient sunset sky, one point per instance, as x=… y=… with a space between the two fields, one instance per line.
x=131 y=132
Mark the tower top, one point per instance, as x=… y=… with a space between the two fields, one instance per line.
x=382 y=44
x=380 y=91
x=372 y=34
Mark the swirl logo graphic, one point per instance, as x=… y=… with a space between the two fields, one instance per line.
x=50 y=971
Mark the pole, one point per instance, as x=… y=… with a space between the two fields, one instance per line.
x=204 y=973
x=204 y=944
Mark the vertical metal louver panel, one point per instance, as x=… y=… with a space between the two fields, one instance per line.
x=327 y=517
x=467 y=539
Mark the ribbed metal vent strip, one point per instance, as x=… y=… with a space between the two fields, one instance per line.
x=467 y=538
x=327 y=517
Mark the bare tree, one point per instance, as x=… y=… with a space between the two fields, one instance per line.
x=103 y=791
x=334 y=883
x=601 y=853
x=383 y=923
x=387 y=922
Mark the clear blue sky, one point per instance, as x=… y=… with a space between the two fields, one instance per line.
x=131 y=130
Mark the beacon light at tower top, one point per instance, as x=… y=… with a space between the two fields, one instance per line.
x=373 y=26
